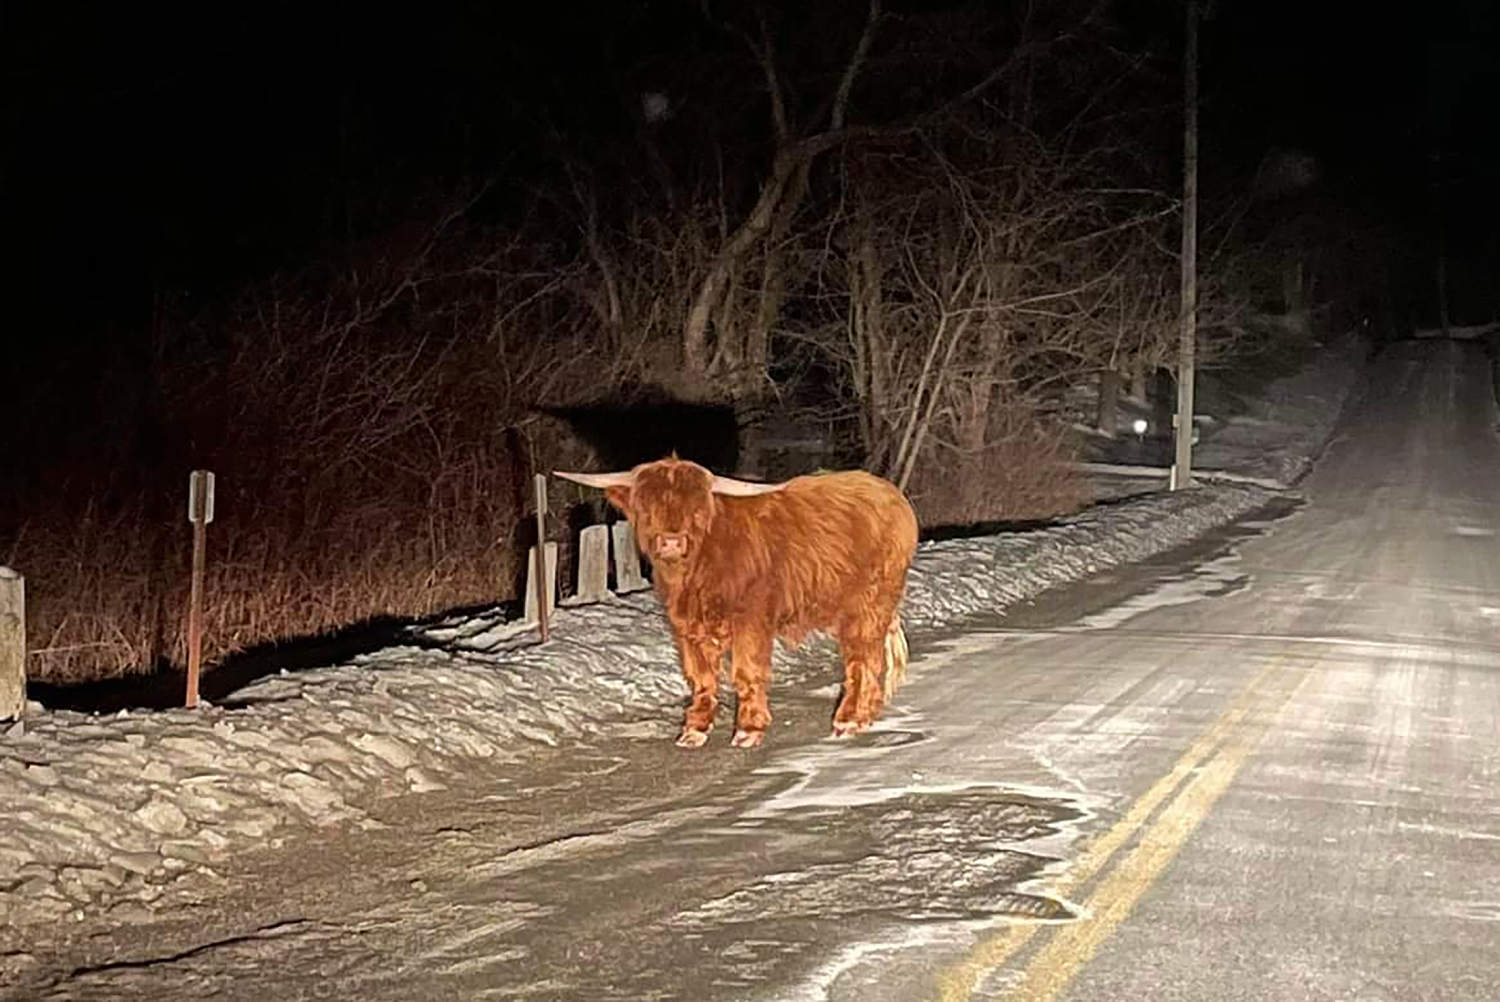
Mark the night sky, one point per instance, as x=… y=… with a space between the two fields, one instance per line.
x=187 y=147
x=1376 y=91
x=193 y=145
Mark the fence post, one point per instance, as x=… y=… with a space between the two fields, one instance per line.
x=539 y=590
x=12 y=644
x=593 y=565
x=548 y=580
x=628 y=576
x=200 y=513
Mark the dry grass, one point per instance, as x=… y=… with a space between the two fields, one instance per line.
x=110 y=598
x=288 y=555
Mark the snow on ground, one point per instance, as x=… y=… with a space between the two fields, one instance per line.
x=137 y=811
x=1284 y=430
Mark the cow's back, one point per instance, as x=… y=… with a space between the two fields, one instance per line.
x=866 y=511
x=800 y=558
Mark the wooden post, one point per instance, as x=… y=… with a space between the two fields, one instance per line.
x=628 y=577
x=540 y=592
x=12 y=644
x=593 y=565
x=200 y=513
x=543 y=592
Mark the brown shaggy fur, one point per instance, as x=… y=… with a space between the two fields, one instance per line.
x=827 y=552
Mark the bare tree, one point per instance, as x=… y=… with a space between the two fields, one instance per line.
x=737 y=351
x=979 y=286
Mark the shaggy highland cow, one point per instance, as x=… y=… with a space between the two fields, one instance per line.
x=738 y=564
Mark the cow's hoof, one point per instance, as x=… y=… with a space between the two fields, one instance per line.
x=692 y=738
x=747 y=739
x=847 y=728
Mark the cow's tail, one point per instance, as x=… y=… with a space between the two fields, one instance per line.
x=896 y=653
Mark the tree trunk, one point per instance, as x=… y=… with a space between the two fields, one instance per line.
x=1138 y=371
x=871 y=352
x=697 y=355
x=753 y=376
x=1109 y=397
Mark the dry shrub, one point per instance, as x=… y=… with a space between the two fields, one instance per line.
x=1021 y=474
x=291 y=552
x=110 y=597
x=90 y=595
x=373 y=442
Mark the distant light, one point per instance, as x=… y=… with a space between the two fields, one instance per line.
x=1138 y=426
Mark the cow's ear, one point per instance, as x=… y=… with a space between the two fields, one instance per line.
x=620 y=498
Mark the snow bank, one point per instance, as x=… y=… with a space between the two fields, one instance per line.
x=109 y=812
x=131 y=812
x=1287 y=426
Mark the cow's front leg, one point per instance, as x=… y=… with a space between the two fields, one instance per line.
x=750 y=655
x=700 y=666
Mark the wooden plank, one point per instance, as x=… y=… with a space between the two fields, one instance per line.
x=535 y=588
x=593 y=565
x=544 y=606
x=628 y=577
x=12 y=644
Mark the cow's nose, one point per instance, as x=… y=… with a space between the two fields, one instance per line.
x=671 y=545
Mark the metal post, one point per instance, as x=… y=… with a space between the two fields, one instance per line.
x=1188 y=320
x=200 y=513
x=12 y=644
x=540 y=482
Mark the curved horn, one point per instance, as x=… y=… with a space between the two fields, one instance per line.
x=622 y=479
x=743 y=488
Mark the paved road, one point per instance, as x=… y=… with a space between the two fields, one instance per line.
x=1267 y=769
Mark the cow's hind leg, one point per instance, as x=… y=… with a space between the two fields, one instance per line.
x=750 y=660
x=862 y=642
x=700 y=666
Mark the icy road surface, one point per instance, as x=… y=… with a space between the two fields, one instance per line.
x=1268 y=768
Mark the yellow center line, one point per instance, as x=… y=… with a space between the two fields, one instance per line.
x=1117 y=893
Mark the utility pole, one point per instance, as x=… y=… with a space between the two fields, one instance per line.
x=1182 y=468
x=1440 y=219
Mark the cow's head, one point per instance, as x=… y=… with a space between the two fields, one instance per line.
x=670 y=503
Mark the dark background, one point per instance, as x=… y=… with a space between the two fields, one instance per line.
x=179 y=148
